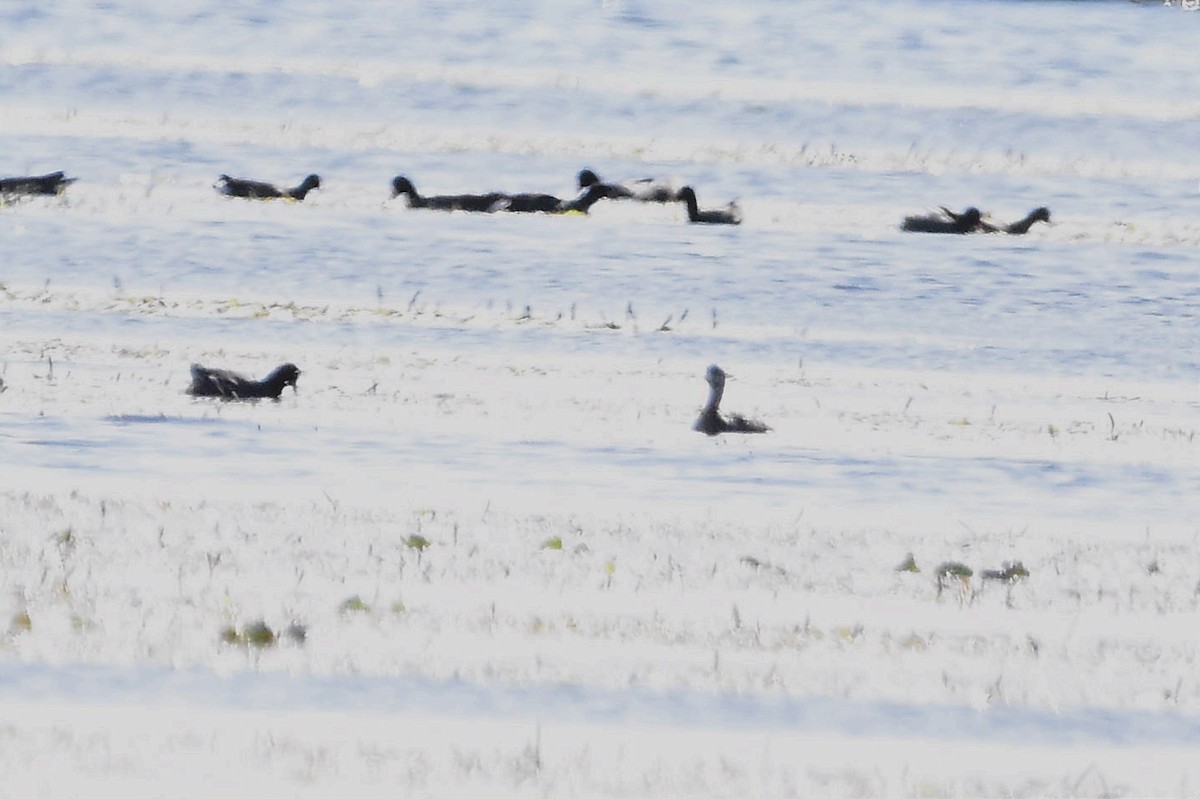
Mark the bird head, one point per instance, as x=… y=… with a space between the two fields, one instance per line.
x=402 y=185
x=288 y=374
x=715 y=376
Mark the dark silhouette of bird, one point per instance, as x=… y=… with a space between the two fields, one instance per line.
x=478 y=203
x=257 y=190
x=966 y=222
x=527 y=203
x=971 y=221
x=646 y=190
x=228 y=385
x=1021 y=226
x=53 y=183
x=710 y=422
x=731 y=215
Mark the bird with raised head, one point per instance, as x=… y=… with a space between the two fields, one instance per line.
x=730 y=215
x=710 y=422
x=1021 y=226
x=477 y=203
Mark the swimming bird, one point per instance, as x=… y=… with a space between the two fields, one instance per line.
x=966 y=222
x=1018 y=228
x=527 y=203
x=257 y=190
x=1021 y=226
x=478 y=203
x=646 y=190
x=53 y=183
x=728 y=216
x=233 y=386
x=710 y=421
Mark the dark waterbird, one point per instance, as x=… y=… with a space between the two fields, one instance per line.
x=1021 y=226
x=228 y=385
x=53 y=183
x=646 y=190
x=949 y=222
x=531 y=203
x=710 y=421
x=971 y=221
x=731 y=215
x=257 y=190
x=478 y=203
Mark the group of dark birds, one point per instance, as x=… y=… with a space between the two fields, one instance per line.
x=227 y=385
x=971 y=221
x=591 y=190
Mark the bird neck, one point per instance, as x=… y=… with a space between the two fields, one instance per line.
x=715 y=391
x=275 y=383
x=589 y=197
x=414 y=200
x=301 y=191
x=693 y=209
x=1023 y=225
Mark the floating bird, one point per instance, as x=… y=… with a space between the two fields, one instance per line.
x=233 y=386
x=53 y=183
x=256 y=190
x=528 y=203
x=710 y=421
x=966 y=222
x=1021 y=226
x=971 y=221
x=478 y=203
x=646 y=190
x=729 y=216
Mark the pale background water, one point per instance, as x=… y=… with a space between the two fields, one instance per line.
x=1087 y=108
x=983 y=398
